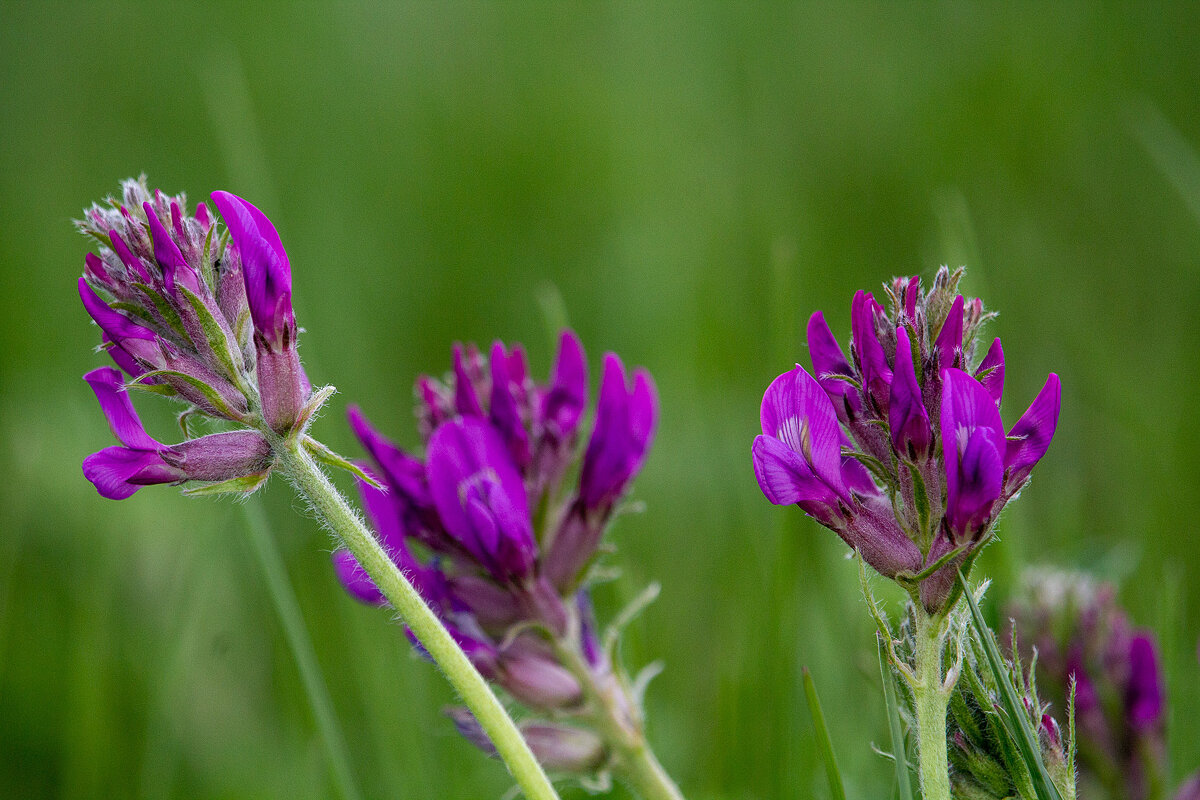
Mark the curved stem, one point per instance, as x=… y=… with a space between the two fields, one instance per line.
x=632 y=759
x=930 y=700
x=342 y=520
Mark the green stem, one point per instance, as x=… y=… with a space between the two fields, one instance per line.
x=298 y=640
x=930 y=701
x=632 y=759
x=337 y=514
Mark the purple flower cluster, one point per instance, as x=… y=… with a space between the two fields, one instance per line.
x=184 y=314
x=900 y=448
x=491 y=526
x=1080 y=634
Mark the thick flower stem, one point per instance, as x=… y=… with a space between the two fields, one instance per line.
x=342 y=520
x=610 y=706
x=931 y=700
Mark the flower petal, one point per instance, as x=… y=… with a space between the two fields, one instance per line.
x=118 y=472
x=907 y=417
x=950 y=338
x=109 y=387
x=563 y=404
x=265 y=267
x=355 y=579
x=991 y=371
x=797 y=411
x=784 y=476
x=1030 y=437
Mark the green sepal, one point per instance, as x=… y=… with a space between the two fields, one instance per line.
x=133 y=309
x=210 y=394
x=328 y=457
x=315 y=401
x=165 y=389
x=245 y=485
x=921 y=503
x=165 y=309
x=873 y=465
x=217 y=337
x=207 y=268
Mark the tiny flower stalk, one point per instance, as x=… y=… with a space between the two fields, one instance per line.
x=498 y=528
x=900 y=449
x=205 y=317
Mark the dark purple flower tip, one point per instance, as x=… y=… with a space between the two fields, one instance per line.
x=480 y=496
x=265 y=267
x=626 y=416
x=798 y=413
x=949 y=344
x=467 y=371
x=118 y=327
x=132 y=263
x=505 y=406
x=1030 y=437
x=169 y=257
x=991 y=371
x=1144 y=693
x=973 y=445
x=877 y=376
x=828 y=361
x=912 y=291
x=355 y=579
x=109 y=388
x=94 y=269
x=567 y=396
x=907 y=417
x=118 y=472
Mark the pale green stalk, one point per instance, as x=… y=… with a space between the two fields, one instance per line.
x=333 y=510
x=930 y=702
x=632 y=759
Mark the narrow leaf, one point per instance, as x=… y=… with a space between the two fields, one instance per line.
x=244 y=485
x=328 y=457
x=823 y=741
x=1017 y=721
x=893 y=714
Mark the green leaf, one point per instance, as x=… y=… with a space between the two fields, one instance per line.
x=823 y=741
x=165 y=309
x=328 y=457
x=903 y=782
x=247 y=484
x=1015 y=719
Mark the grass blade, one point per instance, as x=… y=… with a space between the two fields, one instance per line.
x=1016 y=720
x=823 y=741
x=893 y=713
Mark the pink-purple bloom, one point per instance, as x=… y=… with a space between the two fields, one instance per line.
x=460 y=520
x=183 y=315
x=901 y=449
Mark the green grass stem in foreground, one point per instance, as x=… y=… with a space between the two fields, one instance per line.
x=333 y=510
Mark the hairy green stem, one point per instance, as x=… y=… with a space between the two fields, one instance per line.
x=338 y=515
x=930 y=700
x=300 y=644
x=610 y=708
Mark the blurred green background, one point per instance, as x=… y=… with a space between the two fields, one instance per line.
x=692 y=181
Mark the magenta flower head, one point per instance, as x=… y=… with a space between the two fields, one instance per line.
x=1082 y=636
x=211 y=325
x=460 y=521
x=900 y=448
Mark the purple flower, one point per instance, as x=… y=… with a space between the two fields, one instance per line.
x=265 y=268
x=497 y=446
x=480 y=497
x=1144 y=691
x=901 y=449
x=118 y=472
x=973 y=446
x=626 y=415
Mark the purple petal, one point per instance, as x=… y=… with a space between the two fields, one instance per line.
x=265 y=266
x=168 y=255
x=907 y=417
x=797 y=411
x=122 y=358
x=991 y=371
x=563 y=404
x=625 y=420
x=912 y=291
x=505 y=407
x=1030 y=437
x=877 y=376
x=973 y=444
x=384 y=513
x=828 y=360
x=1144 y=695
x=466 y=400
x=131 y=262
x=785 y=477
x=949 y=341
x=480 y=496
x=109 y=387
x=355 y=579
x=115 y=324
x=403 y=473
x=118 y=472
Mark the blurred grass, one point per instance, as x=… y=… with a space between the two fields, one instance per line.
x=694 y=180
